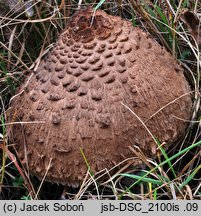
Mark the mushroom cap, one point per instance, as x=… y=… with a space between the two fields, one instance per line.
x=74 y=100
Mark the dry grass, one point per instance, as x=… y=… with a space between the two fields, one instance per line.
x=23 y=42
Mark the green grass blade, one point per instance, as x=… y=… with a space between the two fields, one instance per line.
x=161 y=26
x=163 y=163
x=161 y=14
x=155 y=194
x=99 y=5
x=166 y=157
x=190 y=177
x=3 y=151
x=147 y=180
x=87 y=163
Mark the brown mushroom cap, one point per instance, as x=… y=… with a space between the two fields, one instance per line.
x=76 y=96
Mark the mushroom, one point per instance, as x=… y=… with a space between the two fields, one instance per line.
x=103 y=87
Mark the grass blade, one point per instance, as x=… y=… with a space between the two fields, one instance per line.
x=166 y=157
x=87 y=163
x=190 y=177
x=99 y=5
x=163 y=163
x=147 y=180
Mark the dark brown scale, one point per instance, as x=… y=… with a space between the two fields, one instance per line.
x=101 y=48
x=97 y=66
x=108 y=54
x=54 y=80
x=81 y=60
x=82 y=91
x=110 y=79
x=86 y=76
x=67 y=80
x=59 y=67
x=56 y=119
x=103 y=73
x=61 y=74
x=96 y=95
x=70 y=104
x=73 y=86
x=53 y=97
x=94 y=59
x=110 y=62
x=63 y=60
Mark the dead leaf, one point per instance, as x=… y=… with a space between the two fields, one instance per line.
x=193 y=21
